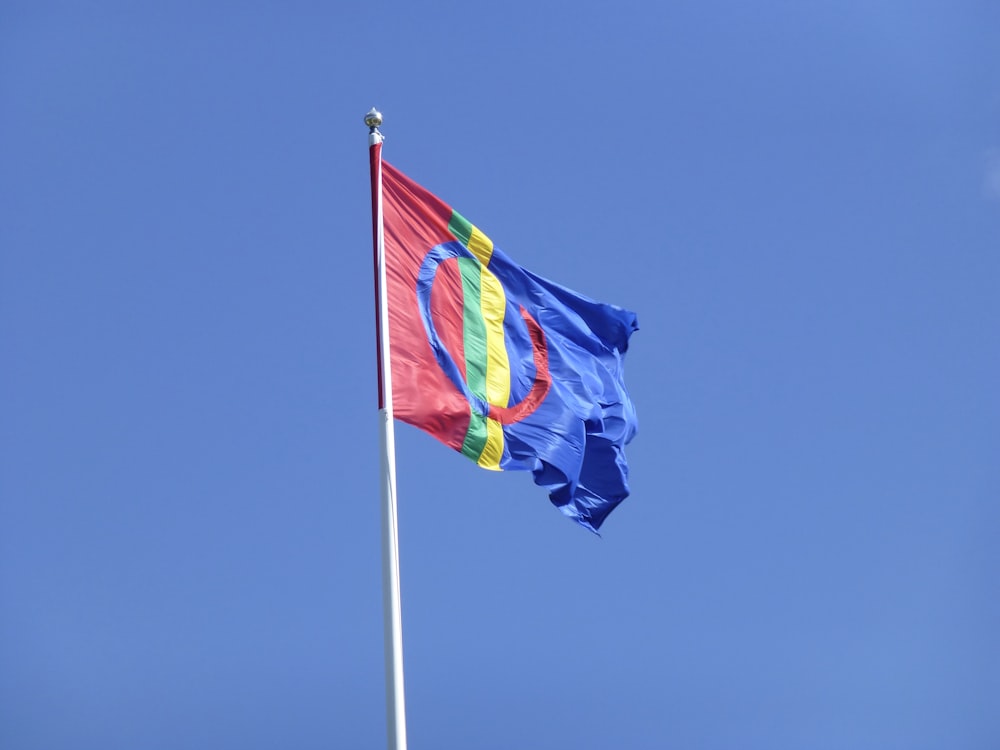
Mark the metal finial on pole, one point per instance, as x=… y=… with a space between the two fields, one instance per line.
x=373 y=119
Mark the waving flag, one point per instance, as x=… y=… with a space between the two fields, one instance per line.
x=510 y=369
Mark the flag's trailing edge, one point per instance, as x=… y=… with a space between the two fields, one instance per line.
x=510 y=369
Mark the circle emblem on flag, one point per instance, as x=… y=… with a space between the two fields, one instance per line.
x=487 y=334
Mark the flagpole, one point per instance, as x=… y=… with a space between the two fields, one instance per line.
x=393 y=624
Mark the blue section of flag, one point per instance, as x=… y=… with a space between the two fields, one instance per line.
x=574 y=441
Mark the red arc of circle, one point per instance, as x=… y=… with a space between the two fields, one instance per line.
x=543 y=380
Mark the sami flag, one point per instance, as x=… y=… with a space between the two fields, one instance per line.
x=510 y=369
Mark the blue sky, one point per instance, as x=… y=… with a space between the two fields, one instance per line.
x=801 y=201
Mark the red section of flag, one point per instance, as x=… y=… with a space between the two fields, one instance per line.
x=415 y=221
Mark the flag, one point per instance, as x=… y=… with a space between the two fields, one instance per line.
x=508 y=368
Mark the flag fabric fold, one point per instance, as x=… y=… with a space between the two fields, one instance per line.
x=510 y=369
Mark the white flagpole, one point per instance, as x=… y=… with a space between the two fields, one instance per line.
x=394 y=701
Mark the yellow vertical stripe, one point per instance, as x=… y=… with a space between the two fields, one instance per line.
x=481 y=246
x=493 y=450
x=493 y=302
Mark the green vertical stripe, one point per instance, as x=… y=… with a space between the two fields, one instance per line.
x=475 y=438
x=474 y=338
x=460 y=227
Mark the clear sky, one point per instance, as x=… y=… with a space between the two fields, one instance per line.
x=801 y=201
